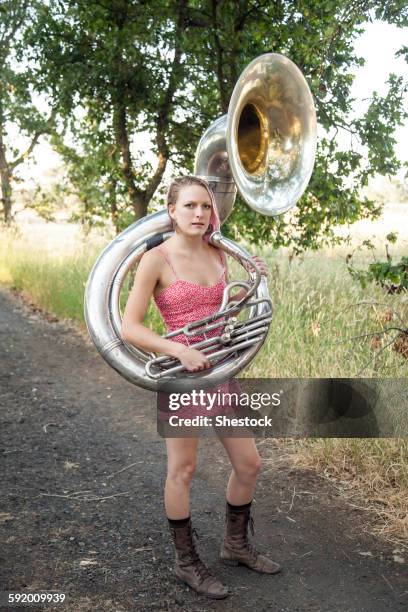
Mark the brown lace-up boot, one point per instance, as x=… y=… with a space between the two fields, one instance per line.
x=188 y=566
x=237 y=549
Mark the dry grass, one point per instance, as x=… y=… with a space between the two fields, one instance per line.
x=371 y=474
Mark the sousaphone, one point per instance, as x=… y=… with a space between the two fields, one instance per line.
x=264 y=147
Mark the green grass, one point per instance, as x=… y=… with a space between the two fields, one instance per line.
x=54 y=281
x=318 y=310
x=53 y=274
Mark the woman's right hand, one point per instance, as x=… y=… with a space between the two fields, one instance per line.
x=193 y=360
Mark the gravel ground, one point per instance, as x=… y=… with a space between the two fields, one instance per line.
x=73 y=520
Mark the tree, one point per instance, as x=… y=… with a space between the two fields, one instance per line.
x=114 y=71
x=16 y=107
x=168 y=68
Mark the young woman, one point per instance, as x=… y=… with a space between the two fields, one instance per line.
x=186 y=275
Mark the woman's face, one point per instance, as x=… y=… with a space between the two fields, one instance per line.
x=192 y=210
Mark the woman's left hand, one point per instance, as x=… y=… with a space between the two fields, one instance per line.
x=262 y=265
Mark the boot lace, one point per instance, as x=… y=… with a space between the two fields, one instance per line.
x=200 y=568
x=252 y=550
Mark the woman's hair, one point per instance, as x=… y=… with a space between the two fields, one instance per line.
x=185 y=181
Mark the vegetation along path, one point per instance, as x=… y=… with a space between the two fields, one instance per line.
x=81 y=497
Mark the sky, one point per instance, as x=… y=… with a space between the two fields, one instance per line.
x=377 y=45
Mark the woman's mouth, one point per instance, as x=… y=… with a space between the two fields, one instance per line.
x=198 y=224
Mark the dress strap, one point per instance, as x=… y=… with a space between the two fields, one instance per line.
x=167 y=259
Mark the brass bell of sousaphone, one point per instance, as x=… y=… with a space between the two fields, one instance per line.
x=265 y=146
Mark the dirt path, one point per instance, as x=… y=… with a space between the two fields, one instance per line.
x=69 y=424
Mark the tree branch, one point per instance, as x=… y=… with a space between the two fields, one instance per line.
x=241 y=18
x=375 y=356
x=16 y=21
x=19 y=160
x=219 y=60
x=33 y=142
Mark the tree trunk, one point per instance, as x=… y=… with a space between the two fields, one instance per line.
x=114 y=206
x=122 y=140
x=5 y=177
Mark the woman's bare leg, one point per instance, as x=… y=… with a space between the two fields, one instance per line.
x=246 y=465
x=235 y=548
x=188 y=567
x=181 y=464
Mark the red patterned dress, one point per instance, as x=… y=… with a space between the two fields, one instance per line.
x=181 y=303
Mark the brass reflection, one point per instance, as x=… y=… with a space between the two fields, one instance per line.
x=252 y=139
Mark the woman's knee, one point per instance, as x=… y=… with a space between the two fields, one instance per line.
x=182 y=472
x=249 y=469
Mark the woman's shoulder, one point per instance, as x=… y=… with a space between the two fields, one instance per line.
x=152 y=259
